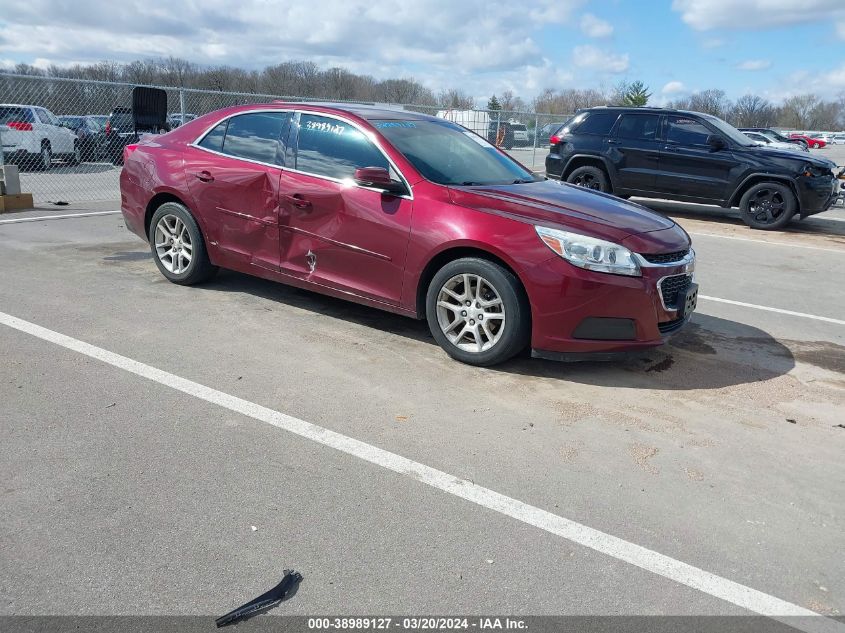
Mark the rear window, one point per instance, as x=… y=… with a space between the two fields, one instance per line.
x=122 y=121
x=519 y=126
x=597 y=123
x=638 y=126
x=257 y=136
x=9 y=114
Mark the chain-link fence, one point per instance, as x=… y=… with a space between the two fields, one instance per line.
x=60 y=131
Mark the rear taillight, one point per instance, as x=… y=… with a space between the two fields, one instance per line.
x=108 y=127
x=554 y=139
x=128 y=150
x=20 y=126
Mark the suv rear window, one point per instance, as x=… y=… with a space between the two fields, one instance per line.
x=7 y=115
x=597 y=123
x=641 y=127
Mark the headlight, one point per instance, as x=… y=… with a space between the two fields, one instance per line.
x=589 y=252
x=813 y=171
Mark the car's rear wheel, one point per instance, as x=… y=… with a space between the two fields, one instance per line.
x=477 y=312
x=178 y=247
x=76 y=157
x=768 y=206
x=45 y=159
x=589 y=177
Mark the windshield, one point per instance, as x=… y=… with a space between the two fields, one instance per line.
x=729 y=130
x=448 y=154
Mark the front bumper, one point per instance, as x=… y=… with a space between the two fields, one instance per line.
x=579 y=314
x=816 y=194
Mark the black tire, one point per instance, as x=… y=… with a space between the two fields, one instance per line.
x=199 y=269
x=44 y=160
x=514 y=334
x=590 y=177
x=768 y=206
x=76 y=157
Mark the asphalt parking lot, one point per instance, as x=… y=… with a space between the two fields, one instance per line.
x=703 y=477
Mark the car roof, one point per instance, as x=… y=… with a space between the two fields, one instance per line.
x=647 y=109
x=360 y=110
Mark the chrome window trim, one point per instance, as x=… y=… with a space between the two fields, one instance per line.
x=294 y=111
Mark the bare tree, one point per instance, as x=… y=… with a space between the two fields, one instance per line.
x=455 y=99
x=752 y=111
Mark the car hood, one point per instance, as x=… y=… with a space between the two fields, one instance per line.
x=805 y=157
x=564 y=206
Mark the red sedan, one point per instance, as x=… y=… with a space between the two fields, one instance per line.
x=415 y=215
x=811 y=142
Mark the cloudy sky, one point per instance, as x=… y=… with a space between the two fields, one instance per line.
x=771 y=47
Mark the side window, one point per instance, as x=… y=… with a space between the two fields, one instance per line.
x=214 y=139
x=330 y=147
x=686 y=131
x=642 y=127
x=257 y=136
x=597 y=123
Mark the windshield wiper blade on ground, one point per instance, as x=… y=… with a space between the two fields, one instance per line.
x=264 y=602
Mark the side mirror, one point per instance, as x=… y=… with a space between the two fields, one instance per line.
x=716 y=142
x=378 y=178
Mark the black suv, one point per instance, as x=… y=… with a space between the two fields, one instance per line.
x=692 y=157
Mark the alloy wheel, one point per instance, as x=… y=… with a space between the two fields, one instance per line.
x=471 y=313
x=588 y=181
x=766 y=206
x=173 y=244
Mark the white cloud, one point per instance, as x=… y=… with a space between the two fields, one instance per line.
x=594 y=58
x=840 y=29
x=704 y=15
x=673 y=88
x=458 y=41
x=592 y=26
x=754 y=64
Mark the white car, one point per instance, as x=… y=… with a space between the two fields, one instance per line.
x=765 y=141
x=838 y=138
x=33 y=136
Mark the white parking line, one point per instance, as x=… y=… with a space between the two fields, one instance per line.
x=58 y=217
x=804 y=315
x=683 y=573
x=841 y=251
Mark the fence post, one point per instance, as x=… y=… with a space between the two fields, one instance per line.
x=182 y=106
x=534 y=151
x=2 y=160
x=498 y=125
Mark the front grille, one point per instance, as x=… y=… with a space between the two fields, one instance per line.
x=672 y=289
x=665 y=258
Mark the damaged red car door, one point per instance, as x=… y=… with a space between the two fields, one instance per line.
x=233 y=175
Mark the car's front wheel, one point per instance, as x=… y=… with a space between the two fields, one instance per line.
x=768 y=206
x=477 y=312
x=589 y=177
x=177 y=246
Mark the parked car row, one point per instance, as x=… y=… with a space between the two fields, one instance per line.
x=34 y=138
x=691 y=157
